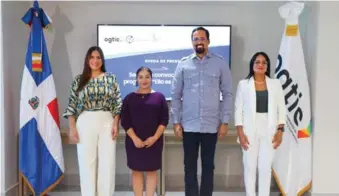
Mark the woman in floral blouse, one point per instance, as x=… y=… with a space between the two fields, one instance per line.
x=93 y=113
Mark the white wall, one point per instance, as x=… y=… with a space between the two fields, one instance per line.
x=15 y=37
x=2 y=138
x=326 y=101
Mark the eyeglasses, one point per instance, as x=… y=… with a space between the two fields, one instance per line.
x=196 y=39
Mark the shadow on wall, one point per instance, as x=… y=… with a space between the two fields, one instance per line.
x=60 y=59
x=239 y=65
x=15 y=38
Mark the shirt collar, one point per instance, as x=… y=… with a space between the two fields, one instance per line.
x=195 y=56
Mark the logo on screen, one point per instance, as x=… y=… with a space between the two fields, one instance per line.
x=112 y=39
x=129 y=39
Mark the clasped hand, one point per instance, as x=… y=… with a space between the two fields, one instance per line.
x=147 y=143
x=277 y=140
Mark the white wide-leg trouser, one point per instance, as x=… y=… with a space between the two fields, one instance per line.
x=259 y=155
x=96 y=153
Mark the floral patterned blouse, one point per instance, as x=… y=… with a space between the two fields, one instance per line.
x=101 y=93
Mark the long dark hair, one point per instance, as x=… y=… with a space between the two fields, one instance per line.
x=254 y=57
x=139 y=70
x=86 y=73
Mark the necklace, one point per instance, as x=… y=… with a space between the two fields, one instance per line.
x=259 y=82
x=143 y=94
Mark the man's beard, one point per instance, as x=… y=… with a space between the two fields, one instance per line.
x=199 y=49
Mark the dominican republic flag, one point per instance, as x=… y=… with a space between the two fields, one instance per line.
x=41 y=161
x=292 y=166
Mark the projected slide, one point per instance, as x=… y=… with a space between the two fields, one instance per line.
x=126 y=48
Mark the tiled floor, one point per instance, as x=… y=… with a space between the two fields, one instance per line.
x=167 y=194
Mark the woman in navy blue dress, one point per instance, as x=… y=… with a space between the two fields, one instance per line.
x=144 y=117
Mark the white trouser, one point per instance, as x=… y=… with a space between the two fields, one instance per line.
x=96 y=152
x=259 y=155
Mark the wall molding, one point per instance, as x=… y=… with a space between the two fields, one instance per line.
x=173 y=182
x=229 y=139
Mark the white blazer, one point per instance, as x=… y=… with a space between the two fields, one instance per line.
x=245 y=106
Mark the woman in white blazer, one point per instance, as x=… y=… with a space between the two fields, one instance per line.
x=260 y=119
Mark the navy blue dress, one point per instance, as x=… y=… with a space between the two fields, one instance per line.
x=144 y=113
